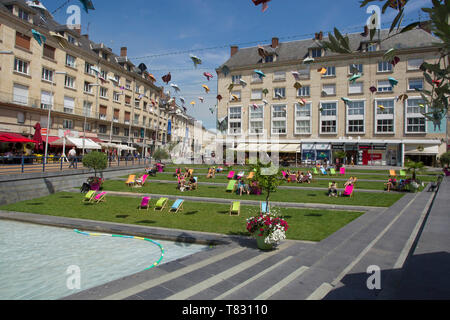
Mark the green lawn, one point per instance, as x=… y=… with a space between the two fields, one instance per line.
x=304 y=224
x=282 y=195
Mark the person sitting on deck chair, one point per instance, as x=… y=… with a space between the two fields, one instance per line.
x=332 y=190
x=392 y=182
x=350 y=181
x=242 y=188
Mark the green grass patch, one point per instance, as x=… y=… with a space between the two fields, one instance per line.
x=282 y=195
x=304 y=224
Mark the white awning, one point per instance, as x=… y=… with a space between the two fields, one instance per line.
x=78 y=143
x=291 y=148
x=109 y=145
x=421 y=150
x=126 y=148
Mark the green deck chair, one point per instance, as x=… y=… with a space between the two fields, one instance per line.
x=402 y=173
x=161 y=204
x=332 y=172
x=231 y=185
x=315 y=170
x=235 y=208
x=89 y=196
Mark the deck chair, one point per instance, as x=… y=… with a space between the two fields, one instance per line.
x=99 y=198
x=231 y=175
x=402 y=173
x=241 y=175
x=284 y=174
x=293 y=178
x=342 y=171
x=348 y=192
x=141 y=181
x=191 y=172
x=145 y=203
x=177 y=206
x=251 y=175
x=263 y=207
x=332 y=172
x=315 y=170
x=89 y=196
x=161 y=204
x=131 y=180
x=196 y=183
x=235 y=208
x=231 y=185
x=392 y=173
x=324 y=172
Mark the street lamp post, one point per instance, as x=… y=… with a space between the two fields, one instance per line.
x=84 y=129
x=49 y=114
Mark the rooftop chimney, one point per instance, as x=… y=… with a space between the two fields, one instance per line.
x=234 y=50
x=275 y=42
x=123 y=51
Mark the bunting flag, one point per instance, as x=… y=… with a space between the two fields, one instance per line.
x=242 y=82
x=402 y=97
x=196 y=60
x=206 y=88
x=302 y=102
x=173 y=85
x=296 y=75
x=297 y=85
x=353 y=78
x=192 y=103
x=182 y=100
x=201 y=99
x=39 y=37
x=393 y=81
x=345 y=100
x=87 y=5
x=230 y=87
x=208 y=75
x=373 y=89
x=265 y=102
x=219 y=97
x=265 y=6
x=265 y=92
x=260 y=73
x=322 y=70
x=308 y=60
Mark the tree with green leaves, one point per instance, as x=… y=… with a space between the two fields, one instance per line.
x=437 y=74
x=445 y=159
x=414 y=167
x=268 y=177
x=160 y=154
x=96 y=161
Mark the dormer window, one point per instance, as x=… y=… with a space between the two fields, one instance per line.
x=70 y=39
x=23 y=14
x=371 y=47
x=105 y=55
x=315 y=52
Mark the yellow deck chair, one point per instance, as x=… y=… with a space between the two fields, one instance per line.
x=131 y=180
x=235 y=208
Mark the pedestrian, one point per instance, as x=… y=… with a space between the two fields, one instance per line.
x=72 y=157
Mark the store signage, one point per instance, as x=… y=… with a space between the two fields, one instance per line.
x=374 y=147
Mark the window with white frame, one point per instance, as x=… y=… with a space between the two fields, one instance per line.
x=329 y=89
x=256 y=119
x=87 y=87
x=116 y=96
x=384 y=86
x=128 y=84
x=384 y=116
x=20 y=94
x=279 y=119
x=355 y=116
x=358 y=66
x=355 y=88
x=304 y=72
x=69 y=105
x=414 y=64
x=71 y=61
x=415 y=84
x=46 y=100
x=47 y=74
x=279 y=75
x=103 y=92
x=328 y=118
x=303 y=118
x=236 y=79
x=21 y=66
x=384 y=66
x=331 y=72
x=304 y=91
x=69 y=82
x=415 y=121
x=235 y=120
x=279 y=92
x=256 y=94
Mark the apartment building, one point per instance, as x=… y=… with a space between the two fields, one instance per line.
x=89 y=89
x=313 y=102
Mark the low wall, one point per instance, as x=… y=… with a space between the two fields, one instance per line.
x=22 y=187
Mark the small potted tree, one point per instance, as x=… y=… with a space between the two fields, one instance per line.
x=96 y=161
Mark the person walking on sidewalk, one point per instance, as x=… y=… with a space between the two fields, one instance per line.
x=72 y=157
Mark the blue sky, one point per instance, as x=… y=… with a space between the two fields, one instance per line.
x=164 y=27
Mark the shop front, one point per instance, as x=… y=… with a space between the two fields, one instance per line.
x=315 y=152
x=422 y=153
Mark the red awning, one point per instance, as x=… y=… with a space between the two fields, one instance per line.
x=50 y=139
x=97 y=140
x=14 y=137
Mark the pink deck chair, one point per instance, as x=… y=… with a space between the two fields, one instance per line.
x=342 y=172
x=348 y=190
x=230 y=175
x=140 y=182
x=145 y=203
x=99 y=197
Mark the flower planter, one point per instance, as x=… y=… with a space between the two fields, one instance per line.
x=262 y=245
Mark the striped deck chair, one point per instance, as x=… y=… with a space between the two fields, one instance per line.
x=145 y=203
x=263 y=207
x=324 y=172
x=235 y=208
x=131 y=180
x=141 y=181
x=231 y=175
x=231 y=185
x=161 y=204
x=177 y=206
x=99 y=198
x=89 y=196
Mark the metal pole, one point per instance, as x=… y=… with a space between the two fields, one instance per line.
x=48 y=122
